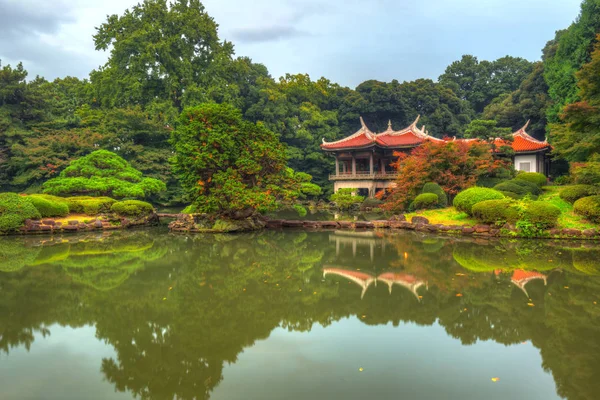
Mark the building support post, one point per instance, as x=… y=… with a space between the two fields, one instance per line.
x=382 y=166
x=353 y=165
x=371 y=164
x=337 y=166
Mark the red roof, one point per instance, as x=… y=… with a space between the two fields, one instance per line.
x=413 y=136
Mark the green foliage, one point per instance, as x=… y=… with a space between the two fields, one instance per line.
x=588 y=207
x=466 y=199
x=300 y=210
x=586 y=261
x=576 y=192
x=228 y=165
x=346 y=198
x=481 y=82
x=432 y=187
x=518 y=188
x=90 y=205
x=132 y=208
x=541 y=214
x=49 y=207
x=14 y=210
x=533 y=177
x=496 y=211
x=103 y=173
x=425 y=201
x=586 y=173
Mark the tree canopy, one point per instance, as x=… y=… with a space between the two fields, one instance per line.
x=103 y=173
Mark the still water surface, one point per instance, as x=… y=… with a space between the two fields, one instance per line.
x=297 y=315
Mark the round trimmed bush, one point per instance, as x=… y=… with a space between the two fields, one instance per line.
x=530 y=187
x=132 y=208
x=90 y=205
x=576 y=192
x=425 y=201
x=14 y=210
x=541 y=213
x=533 y=177
x=588 y=207
x=49 y=207
x=465 y=200
x=496 y=211
x=510 y=186
x=433 y=187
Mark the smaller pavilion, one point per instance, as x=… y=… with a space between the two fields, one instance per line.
x=363 y=160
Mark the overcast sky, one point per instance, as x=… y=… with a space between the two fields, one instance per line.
x=347 y=41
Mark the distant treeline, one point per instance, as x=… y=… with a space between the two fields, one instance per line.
x=165 y=58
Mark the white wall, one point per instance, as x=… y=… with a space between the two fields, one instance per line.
x=531 y=159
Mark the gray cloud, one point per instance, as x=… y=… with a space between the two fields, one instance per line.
x=18 y=18
x=266 y=34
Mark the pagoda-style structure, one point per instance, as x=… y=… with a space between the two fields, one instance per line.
x=363 y=159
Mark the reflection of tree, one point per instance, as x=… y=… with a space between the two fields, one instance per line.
x=189 y=305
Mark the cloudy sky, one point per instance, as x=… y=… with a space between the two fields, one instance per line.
x=347 y=41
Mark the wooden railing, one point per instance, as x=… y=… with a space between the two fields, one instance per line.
x=363 y=175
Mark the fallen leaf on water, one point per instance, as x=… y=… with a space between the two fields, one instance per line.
x=360 y=370
x=458 y=295
x=495 y=379
x=170 y=287
x=420 y=297
x=364 y=316
x=244 y=289
x=164 y=298
x=465 y=309
x=566 y=287
x=530 y=304
x=595 y=303
x=299 y=290
x=314 y=292
x=460 y=274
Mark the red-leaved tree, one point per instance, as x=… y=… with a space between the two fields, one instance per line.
x=454 y=165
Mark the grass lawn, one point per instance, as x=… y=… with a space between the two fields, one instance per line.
x=444 y=216
x=567 y=219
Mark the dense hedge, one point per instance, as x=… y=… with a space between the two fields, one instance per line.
x=90 y=205
x=518 y=188
x=533 y=177
x=496 y=211
x=465 y=200
x=541 y=213
x=50 y=206
x=132 y=208
x=425 y=201
x=14 y=210
x=586 y=173
x=574 y=193
x=588 y=207
x=433 y=187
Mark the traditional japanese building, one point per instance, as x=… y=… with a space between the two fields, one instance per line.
x=363 y=159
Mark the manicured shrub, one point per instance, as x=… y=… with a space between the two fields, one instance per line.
x=510 y=186
x=433 y=187
x=530 y=187
x=533 y=177
x=465 y=200
x=588 y=207
x=542 y=214
x=48 y=207
x=576 y=192
x=14 y=210
x=425 y=201
x=489 y=182
x=345 y=198
x=496 y=211
x=370 y=203
x=90 y=205
x=300 y=210
x=132 y=208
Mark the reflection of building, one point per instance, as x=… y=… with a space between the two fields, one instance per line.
x=362 y=160
x=520 y=278
x=355 y=239
x=364 y=280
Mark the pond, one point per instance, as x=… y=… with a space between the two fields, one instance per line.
x=297 y=315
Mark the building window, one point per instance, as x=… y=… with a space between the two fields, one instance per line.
x=525 y=166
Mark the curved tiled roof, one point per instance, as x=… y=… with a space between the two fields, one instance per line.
x=413 y=136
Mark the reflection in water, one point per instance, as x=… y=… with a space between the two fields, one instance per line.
x=177 y=309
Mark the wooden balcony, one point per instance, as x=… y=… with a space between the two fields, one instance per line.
x=363 y=175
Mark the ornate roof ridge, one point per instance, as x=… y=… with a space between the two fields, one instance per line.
x=363 y=130
x=523 y=133
x=412 y=128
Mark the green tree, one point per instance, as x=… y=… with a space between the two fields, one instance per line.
x=227 y=165
x=103 y=173
x=488 y=131
x=346 y=198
